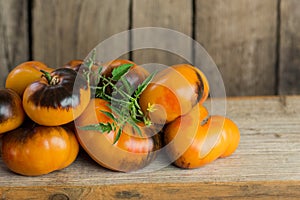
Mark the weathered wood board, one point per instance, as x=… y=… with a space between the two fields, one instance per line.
x=266 y=165
x=254 y=43
x=169 y=14
x=240 y=36
x=14 y=44
x=67 y=30
x=289 y=72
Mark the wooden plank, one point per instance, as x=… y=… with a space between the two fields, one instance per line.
x=289 y=73
x=240 y=36
x=171 y=14
x=66 y=30
x=13 y=35
x=266 y=165
x=227 y=191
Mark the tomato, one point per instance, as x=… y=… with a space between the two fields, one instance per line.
x=135 y=76
x=11 y=110
x=193 y=144
x=74 y=64
x=36 y=150
x=24 y=74
x=131 y=152
x=173 y=92
x=233 y=136
x=205 y=86
x=56 y=99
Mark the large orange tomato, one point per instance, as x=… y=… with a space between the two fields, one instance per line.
x=131 y=151
x=193 y=144
x=135 y=75
x=36 y=150
x=57 y=98
x=11 y=110
x=24 y=74
x=173 y=92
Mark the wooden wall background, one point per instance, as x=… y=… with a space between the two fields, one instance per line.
x=255 y=43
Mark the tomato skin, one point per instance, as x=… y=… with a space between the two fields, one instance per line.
x=74 y=64
x=11 y=111
x=59 y=103
x=193 y=144
x=174 y=91
x=131 y=152
x=233 y=137
x=205 y=86
x=135 y=76
x=24 y=74
x=38 y=150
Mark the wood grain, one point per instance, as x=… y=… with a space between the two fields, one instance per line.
x=240 y=36
x=66 y=30
x=289 y=73
x=14 y=42
x=266 y=165
x=171 y=14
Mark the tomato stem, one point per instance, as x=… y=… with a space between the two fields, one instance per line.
x=52 y=80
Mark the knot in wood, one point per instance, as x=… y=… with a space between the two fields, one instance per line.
x=59 y=197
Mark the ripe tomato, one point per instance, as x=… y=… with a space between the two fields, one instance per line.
x=11 y=110
x=24 y=74
x=233 y=136
x=74 y=64
x=56 y=99
x=173 y=92
x=193 y=144
x=37 y=150
x=131 y=152
x=135 y=76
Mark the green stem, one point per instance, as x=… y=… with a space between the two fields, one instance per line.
x=47 y=75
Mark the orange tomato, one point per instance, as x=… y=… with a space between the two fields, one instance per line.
x=173 y=92
x=56 y=98
x=135 y=75
x=11 y=110
x=233 y=137
x=24 y=74
x=131 y=152
x=37 y=150
x=74 y=64
x=193 y=144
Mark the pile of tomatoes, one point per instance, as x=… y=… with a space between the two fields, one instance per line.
x=47 y=114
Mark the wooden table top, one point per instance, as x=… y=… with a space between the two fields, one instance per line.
x=265 y=165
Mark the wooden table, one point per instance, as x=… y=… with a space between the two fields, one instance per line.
x=266 y=165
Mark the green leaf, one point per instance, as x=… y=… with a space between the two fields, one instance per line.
x=109 y=114
x=128 y=87
x=136 y=127
x=144 y=85
x=118 y=72
x=115 y=110
x=101 y=127
x=118 y=135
